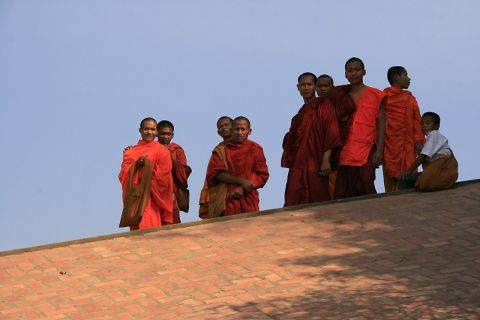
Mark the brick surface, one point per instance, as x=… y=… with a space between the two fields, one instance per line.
x=406 y=255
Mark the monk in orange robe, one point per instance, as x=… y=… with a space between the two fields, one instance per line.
x=363 y=132
x=404 y=137
x=224 y=130
x=307 y=147
x=159 y=209
x=247 y=170
x=181 y=171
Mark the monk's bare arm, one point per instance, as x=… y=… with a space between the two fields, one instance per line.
x=378 y=156
x=417 y=130
x=228 y=178
x=325 y=168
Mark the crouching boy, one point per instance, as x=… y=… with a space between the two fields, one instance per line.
x=440 y=168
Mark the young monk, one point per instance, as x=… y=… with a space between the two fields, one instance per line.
x=440 y=168
x=224 y=130
x=363 y=132
x=158 y=210
x=307 y=148
x=247 y=170
x=404 y=138
x=306 y=86
x=324 y=85
x=181 y=171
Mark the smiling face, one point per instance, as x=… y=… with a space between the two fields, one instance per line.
x=354 y=72
x=306 y=87
x=241 y=130
x=148 y=131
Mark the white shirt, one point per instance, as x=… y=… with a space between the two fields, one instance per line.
x=436 y=146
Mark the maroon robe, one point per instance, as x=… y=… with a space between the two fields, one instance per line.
x=180 y=173
x=245 y=160
x=313 y=131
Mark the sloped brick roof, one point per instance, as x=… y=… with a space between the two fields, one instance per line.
x=405 y=255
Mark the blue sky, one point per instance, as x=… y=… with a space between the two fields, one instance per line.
x=76 y=78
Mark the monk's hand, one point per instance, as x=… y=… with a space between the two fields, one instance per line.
x=141 y=161
x=325 y=168
x=237 y=193
x=377 y=158
x=247 y=185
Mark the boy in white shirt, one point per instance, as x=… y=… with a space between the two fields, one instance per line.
x=440 y=168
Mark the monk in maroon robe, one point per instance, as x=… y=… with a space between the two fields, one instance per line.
x=307 y=148
x=180 y=169
x=247 y=170
x=224 y=130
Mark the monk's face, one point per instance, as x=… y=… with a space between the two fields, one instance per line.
x=148 y=131
x=354 y=72
x=323 y=87
x=224 y=127
x=241 y=131
x=403 y=80
x=165 y=135
x=306 y=87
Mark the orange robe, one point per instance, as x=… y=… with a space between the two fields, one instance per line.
x=245 y=160
x=356 y=173
x=159 y=209
x=180 y=173
x=403 y=132
x=314 y=130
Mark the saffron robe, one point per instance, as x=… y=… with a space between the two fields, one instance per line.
x=363 y=130
x=313 y=131
x=245 y=160
x=180 y=174
x=159 y=208
x=402 y=133
x=204 y=200
x=359 y=133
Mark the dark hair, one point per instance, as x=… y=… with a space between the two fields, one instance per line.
x=326 y=76
x=394 y=71
x=355 y=59
x=224 y=117
x=242 y=118
x=147 y=119
x=435 y=117
x=307 y=74
x=165 y=124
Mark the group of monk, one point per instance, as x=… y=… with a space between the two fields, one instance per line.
x=335 y=143
x=236 y=170
x=338 y=139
